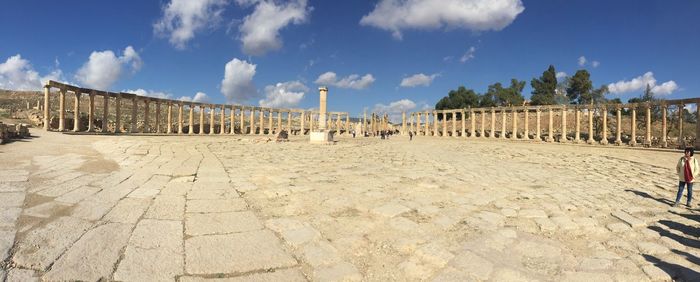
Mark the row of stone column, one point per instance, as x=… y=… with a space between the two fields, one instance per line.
x=420 y=124
x=175 y=114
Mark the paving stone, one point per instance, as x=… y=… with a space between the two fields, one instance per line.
x=651 y=248
x=339 y=272
x=508 y=212
x=297 y=237
x=176 y=188
x=40 y=247
x=93 y=256
x=22 y=275
x=45 y=210
x=414 y=269
x=144 y=193
x=210 y=194
x=77 y=195
x=274 y=275
x=154 y=252
x=390 y=210
x=13 y=175
x=128 y=210
x=319 y=254
x=585 y=276
x=7 y=239
x=595 y=264
x=216 y=205
x=618 y=227
x=435 y=254
x=221 y=223
x=656 y=274
x=13 y=186
x=280 y=225
x=476 y=266
x=8 y=217
x=546 y=224
x=532 y=213
x=629 y=219
x=91 y=210
x=564 y=223
x=508 y=274
x=536 y=250
x=167 y=207
x=235 y=253
x=11 y=200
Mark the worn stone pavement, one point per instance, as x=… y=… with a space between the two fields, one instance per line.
x=234 y=208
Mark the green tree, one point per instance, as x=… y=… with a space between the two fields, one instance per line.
x=579 y=90
x=458 y=99
x=544 y=88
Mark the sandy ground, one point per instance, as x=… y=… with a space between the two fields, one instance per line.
x=238 y=208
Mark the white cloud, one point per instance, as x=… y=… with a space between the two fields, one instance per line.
x=103 y=68
x=260 y=30
x=595 y=64
x=237 y=84
x=149 y=93
x=199 y=97
x=395 y=109
x=18 y=74
x=581 y=61
x=476 y=15
x=419 y=79
x=353 y=81
x=183 y=18
x=640 y=83
x=284 y=94
x=561 y=74
x=468 y=55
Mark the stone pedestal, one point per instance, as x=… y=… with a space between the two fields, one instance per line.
x=321 y=137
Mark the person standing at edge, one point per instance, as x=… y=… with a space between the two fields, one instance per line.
x=687 y=169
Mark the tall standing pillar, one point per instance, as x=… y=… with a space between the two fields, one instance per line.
x=550 y=135
x=591 y=140
x=483 y=123
x=426 y=126
x=697 y=123
x=158 y=116
x=664 y=140
x=618 y=126
x=347 y=122
x=222 y=119
x=233 y=119
x=472 y=120
x=47 y=108
x=454 y=123
x=633 y=137
x=503 y=123
x=76 y=111
x=323 y=94
x=278 y=128
x=269 y=121
x=463 y=131
x=514 y=136
x=337 y=123
x=303 y=125
x=289 y=121
x=169 y=128
x=604 y=141
x=564 y=113
x=105 y=111
x=647 y=139
x=202 y=111
x=681 y=139
x=241 y=120
x=577 y=134
x=526 y=134
x=191 y=120
x=91 y=111
x=538 y=129
x=403 y=123
x=61 y=109
x=212 y=119
x=118 y=109
x=134 y=113
x=252 y=121
x=180 y=117
x=493 y=123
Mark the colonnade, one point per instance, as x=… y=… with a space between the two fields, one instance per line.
x=593 y=124
x=166 y=116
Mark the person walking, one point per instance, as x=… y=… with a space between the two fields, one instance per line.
x=410 y=135
x=687 y=169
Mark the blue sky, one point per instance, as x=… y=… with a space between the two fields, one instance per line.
x=278 y=52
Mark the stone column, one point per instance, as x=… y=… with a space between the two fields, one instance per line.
x=202 y=111
x=191 y=120
x=241 y=120
x=347 y=122
x=681 y=140
x=526 y=134
x=403 y=123
x=538 y=113
x=134 y=113
x=472 y=120
x=233 y=119
x=303 y=121
x=664 y=142
x=105 y=111
x=180 y=117
x=289 y=122
x=618 y=125
x=604 y=141
x=61 y=109
x=697 y=123
x=514 y=136
x=269 y=121
x=47 y=104
x=564 y=112
x=323 y=91
x=337 y=122
x=647 y=139
x=212 y=119
x=444 y=123
x=577 y=134
x=252 y=121
x=279 y=122
x=426 y=126
x=311 y=122
x=170 y=118
x=118 y=108
x=590 y=125
x=503 y=123
x=157 y=116
x=418 y=122
x=550 y=136
x=633 y=140
x=483 y=123
x=146 y=119
x=463 y=131
x=493 y=123
x=91 y=111
x=454 y=123
x=76 y=111
x=222 y=120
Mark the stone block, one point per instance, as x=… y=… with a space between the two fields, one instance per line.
x=22 y=275
x=235 y=253
x=338 y=272
x=532 y=213
x=225 y=205
x=434 y=254
x=628 y=219
x=77 y=195
x=154 y=252
x=221 y=223
x=477 y=267
x=41 y=247
x=390 y=210
x=319 y=254
x=8 y=217
x=45 y=210
x=272 y=275
x=128 y=210
x=7 y=239
x=11 y=200
x=167 y=207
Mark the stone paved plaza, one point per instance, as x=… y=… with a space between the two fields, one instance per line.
x=232 y=208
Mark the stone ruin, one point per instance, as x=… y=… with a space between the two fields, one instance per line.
x=12 y=131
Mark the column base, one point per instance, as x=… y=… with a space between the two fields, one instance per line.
x=604 y=141
x=664 y=144
x=321 y=137
x=633 y=143
x=550 y=139
x=618 y=142
x=590 y=141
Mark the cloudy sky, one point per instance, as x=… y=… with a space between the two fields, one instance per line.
x=384 y=55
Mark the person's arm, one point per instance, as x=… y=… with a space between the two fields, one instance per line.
x=678 y=166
